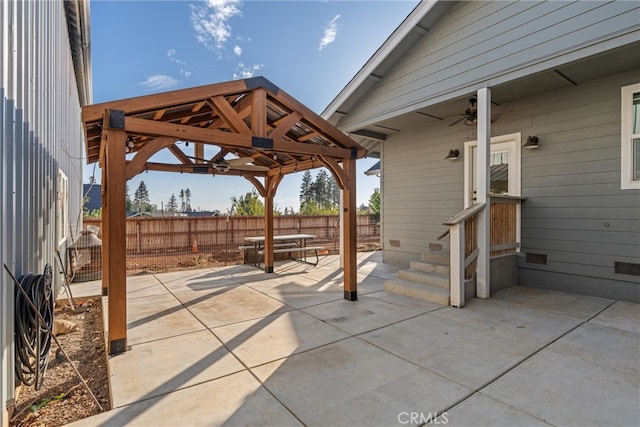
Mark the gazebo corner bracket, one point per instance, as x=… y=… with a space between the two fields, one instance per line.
x=116 y=119
x=264 y=143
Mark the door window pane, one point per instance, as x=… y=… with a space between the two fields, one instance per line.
x=635 y=131
x=635 y=114
x=499 y=163
x=636 y=159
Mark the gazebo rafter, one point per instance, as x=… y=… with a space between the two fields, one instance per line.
x=269 y=131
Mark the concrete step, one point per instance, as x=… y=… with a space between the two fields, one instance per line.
x=418 y=290
x=438 y=257
x=430 y=267
x=425 y=278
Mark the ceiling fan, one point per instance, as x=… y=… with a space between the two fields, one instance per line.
x=470 y=115
x=240 y=163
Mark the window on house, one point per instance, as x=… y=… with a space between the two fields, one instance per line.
x=62 y=208
x=630 y=154
x=499 y=174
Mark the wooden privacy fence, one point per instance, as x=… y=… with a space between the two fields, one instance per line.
x=165 y=243
x=505 y=236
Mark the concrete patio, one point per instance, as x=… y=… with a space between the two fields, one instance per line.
x=237 y=346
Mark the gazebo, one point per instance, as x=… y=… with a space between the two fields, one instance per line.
x=270 y=133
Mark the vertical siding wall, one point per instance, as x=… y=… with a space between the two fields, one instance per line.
x=40 y=133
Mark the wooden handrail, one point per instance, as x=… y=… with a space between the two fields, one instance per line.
x=464 y=214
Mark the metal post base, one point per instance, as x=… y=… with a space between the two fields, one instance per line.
x=351 y=295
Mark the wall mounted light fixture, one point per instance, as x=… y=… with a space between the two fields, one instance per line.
x=453 y=154
x=532 y=142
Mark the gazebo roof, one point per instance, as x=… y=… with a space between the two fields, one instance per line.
x=253 y=119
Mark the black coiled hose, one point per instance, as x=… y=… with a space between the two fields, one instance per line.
x=32 y=340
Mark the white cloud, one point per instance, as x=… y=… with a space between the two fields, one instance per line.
x=159 y=81
x=171 y=53
x=245 y=72
x=329 y=33
x=211 y=21
x=237 y=50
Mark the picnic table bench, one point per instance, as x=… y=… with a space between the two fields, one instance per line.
x=285 y=243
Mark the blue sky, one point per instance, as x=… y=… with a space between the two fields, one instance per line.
x=310 y=49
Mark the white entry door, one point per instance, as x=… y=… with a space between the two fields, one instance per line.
x=504 y=164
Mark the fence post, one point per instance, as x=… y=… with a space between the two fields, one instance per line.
x=138 y=237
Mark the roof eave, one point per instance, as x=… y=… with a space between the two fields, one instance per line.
x=78 y=25
x=367 y=71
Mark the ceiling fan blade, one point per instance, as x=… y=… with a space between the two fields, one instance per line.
x=239 y=161
x=458 y=121
x=198 y=158
x=254 y=168
x=430 y=115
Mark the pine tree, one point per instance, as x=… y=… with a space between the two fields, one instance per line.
x=187 y=200
x=182 y=203
x=172 y=204
x=141 y=197
x=129 y=203
x=306 y=195
x=320 y=195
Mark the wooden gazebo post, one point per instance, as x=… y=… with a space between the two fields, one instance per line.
x=114 y=227
x=268 y=229
x=345 y=177
x=271 y=185
x=349 y=244
x=259 y=130
x=105 y=220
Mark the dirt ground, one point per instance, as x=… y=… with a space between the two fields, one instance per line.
x=139 y=264
x=62 y=398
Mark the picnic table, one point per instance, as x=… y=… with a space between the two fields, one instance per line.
x=283 y=243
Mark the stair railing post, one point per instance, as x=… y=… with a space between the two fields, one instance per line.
x=456 y=264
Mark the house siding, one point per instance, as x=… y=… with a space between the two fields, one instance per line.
x=420 y=189
x=40 y=134
x=575 y=213
x=489 y=43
